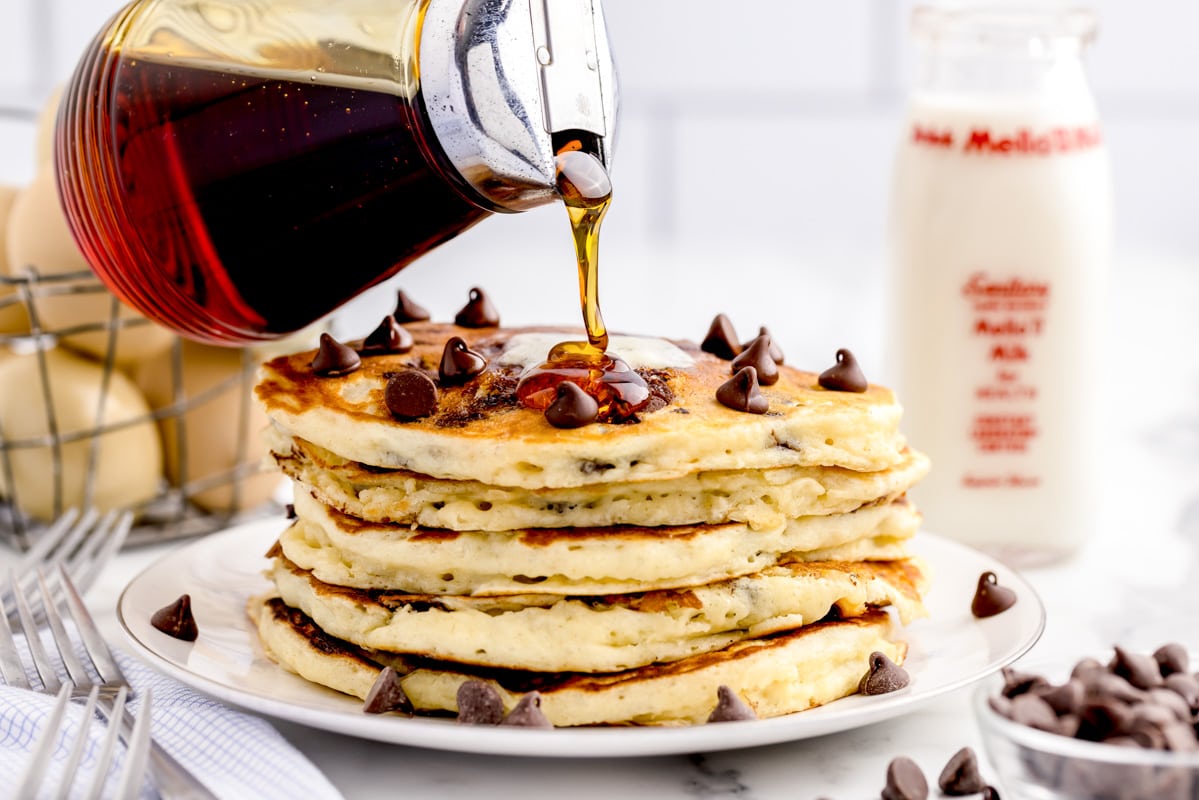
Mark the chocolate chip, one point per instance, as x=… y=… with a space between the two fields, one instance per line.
x=1107 y=684
x=1185 y=686
x=334 y=359
x=990 y=598
x=407 y=310
x=479 y=704
x=1068 y=725
x=572 y=407
x=387 y=695
x=527 y=713
x=740 y=392
x=1171 y=700
x=459 y=363
x=1171 y=658
x=410 y=394
x=176 y=620
x=1064 y=699
x=721 y=340
x=1017 y=683
x=776 y=352
x=289 y=511
x=478 y=312
x=1102 y=718
x=845 y=375
x=990 y=793
x=730 y=707
x=905 y=781
x=1028 y=709
x=1085 y=666
x=1140 y=670
x=961 y=775
x=757 y=355
x=389 y=337
x=883 y=676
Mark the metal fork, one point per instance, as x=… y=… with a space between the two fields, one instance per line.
x=133 y=768
x=170 y=778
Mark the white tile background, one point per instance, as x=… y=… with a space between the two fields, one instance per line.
x=754 y=158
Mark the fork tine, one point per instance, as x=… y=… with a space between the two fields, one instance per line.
x=41 y=662
x=93 y=642
x=85 y=523
x=86 y=573
x=137 y=755
x=35 y=771
x=100 y=776
x=47 y=540
x=11 y=668
x=66 y=649
x=89 y=711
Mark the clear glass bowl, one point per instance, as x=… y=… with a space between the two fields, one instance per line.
x=1037 y=765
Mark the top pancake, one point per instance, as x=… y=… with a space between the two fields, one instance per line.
x=481 y=432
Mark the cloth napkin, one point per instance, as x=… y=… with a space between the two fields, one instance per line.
x=236 y=755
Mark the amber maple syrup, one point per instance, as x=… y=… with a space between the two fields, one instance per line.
x=586 y=190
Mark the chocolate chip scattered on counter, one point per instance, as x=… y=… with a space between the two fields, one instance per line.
x=757 y=355
x=572 y=407
x=389 y=337
x=410 y=394
x=905 y=781
x=527 y=713
x=990 y=598
x=387 y=695
x=479 y=704
x=407 y=310
x=334 y=359
x=459 y=363
x=883 y=676
x=289 y=511
x=1171 y=658
x=730 y=707
x=478 y=312
x=776 y=352
x=176 y=620
x=721 y=340
x=1140 y=670
x=960 y=775
x=740 y=392
x=845 y=375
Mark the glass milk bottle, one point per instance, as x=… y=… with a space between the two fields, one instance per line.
x=1001 y=238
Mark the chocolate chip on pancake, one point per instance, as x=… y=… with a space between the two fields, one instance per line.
x=407 y=310
x=289 y=511
x=757 y=355
x=776 y=352
x=478 y=312
x=845 y=375
x=334 y=359
x=572 y=407
x=905 y=781
x=721 y=340
x=741 y=393
x=961 y=776
x=730 y=707
x=1171 y=658
x=176 y=620
x=459 y=363
x=527 y=713
x=479 y=704
x=387 y=695
x=884 y=676
x=410 y=394
x=389 y=337
x=990 y=598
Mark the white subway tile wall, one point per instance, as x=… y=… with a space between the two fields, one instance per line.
x=756 y=142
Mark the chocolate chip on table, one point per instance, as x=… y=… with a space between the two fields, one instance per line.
x=176 y=619
x=334 y=359
x=479 y=704
x=1171 y=658
x=776 y=352
x=845 y=375
x=730 y=707
x=883 y=676
x=407 y=310
x=478 y=312
x=961 y=776
x=572 y=407
x=721 y=340
x=1140 y=670
x=459 y=363
x=410 y=394
x=990 y=598
x=905 y=781
x=527 y=713
x=387 y=695
x=389 y=337
x=740 y=393
x=757 y=355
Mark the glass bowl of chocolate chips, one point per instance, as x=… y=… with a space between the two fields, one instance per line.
x=1121 y=730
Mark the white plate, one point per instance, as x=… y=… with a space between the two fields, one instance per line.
x=946 y=651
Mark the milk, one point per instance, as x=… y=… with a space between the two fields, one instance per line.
x=1001 y=234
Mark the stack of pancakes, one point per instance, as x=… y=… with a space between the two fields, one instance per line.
x=623 y=571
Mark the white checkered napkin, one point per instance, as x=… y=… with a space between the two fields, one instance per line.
x=235 y=754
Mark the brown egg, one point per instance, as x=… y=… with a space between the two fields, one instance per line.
x=219 y=433
x=46 y=120
x=13 y=319
x=128 y=461
x=38 y=237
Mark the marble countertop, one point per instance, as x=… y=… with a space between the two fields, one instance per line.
x=1132 y=585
